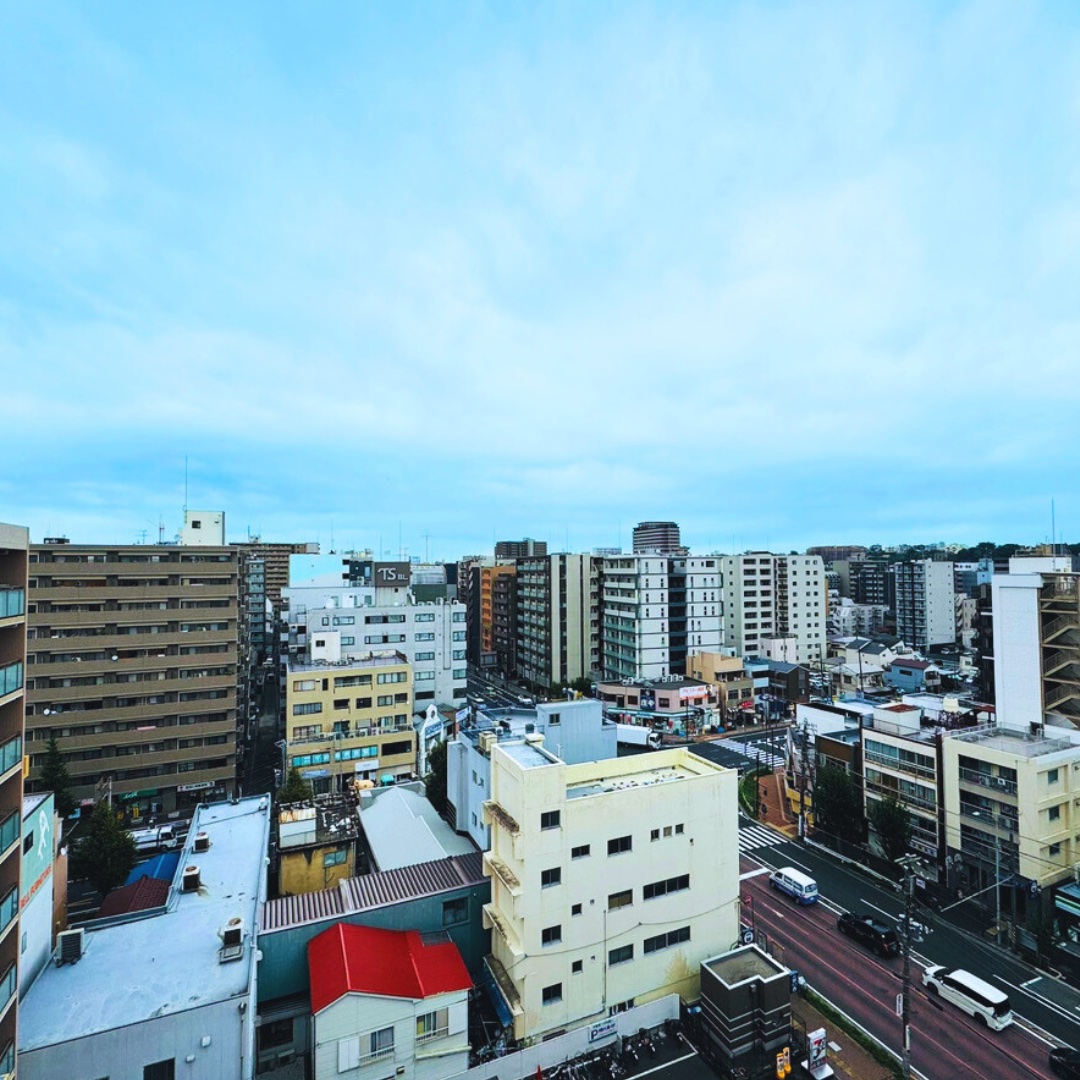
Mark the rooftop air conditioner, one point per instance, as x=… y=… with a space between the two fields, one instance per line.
x=69 y=946
x=202 y=841
x=191 y=880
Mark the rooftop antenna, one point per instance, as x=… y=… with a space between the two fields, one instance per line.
x=185 y=485
x=427 y=537
x=1053 y=530
x=161 y=529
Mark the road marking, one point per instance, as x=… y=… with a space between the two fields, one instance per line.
x=666 y=1065
x=1053 y=1006
x=754 y=873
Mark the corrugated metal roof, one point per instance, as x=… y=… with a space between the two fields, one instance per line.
x=374 y=891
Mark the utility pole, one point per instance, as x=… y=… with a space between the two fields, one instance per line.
x=804 y=773
x=908 y=864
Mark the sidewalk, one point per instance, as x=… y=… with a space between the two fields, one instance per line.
x=851 y=1060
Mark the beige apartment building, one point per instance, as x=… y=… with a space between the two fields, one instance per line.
x=350 y=721
x=14 y=554
x=1011 y=807
x=132 y=665
x=728 y=676
x=610 y=880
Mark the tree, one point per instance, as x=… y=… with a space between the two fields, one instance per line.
x=56 y=778
x=891 y=823
x=106 y=853
x=837 y=805
x=435 y=781
x=295 y=788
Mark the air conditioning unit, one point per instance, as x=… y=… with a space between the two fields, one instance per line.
x=232 y=933
x=202 y=842
x=191 y=880
x=69 y=946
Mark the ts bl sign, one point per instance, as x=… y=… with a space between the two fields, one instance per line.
x=393 y=573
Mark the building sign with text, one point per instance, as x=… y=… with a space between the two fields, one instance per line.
x=392 y=575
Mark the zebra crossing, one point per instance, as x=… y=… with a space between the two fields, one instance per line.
x=757 y=836
x=756 y=753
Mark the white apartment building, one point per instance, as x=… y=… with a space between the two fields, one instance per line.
x=654 y=610
x=775 y=598
x=611 y=881
x=925 y=603
x=329 y=624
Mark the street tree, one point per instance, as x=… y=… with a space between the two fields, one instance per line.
x=435 y=781
x=837 y=804
x=295 y=788
x=56 y=778
x=105 y=853
x=891 y=823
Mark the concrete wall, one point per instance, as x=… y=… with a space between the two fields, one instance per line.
x=1017 y=660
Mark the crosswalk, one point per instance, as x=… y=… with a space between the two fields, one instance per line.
x=755 y=752
x=757 y=836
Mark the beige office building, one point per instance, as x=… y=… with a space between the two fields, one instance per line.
x=350 y=721
x=14 y=548
x=132 y=665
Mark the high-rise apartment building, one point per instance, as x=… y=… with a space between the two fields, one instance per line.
x=558 y=619
x=520 y=549
x=132 y=665
x=925 y=603
x=770 y=598
x=654 y=609
x=652 y=537
x=498 y=622
x=14 y=554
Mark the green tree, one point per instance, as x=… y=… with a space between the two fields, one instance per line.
x=56 y=778
x=435 y=781
x=836 y=804
x=295 y=788
x=105 y=853
x=891 y=823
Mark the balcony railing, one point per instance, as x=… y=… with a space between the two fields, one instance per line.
x=11 y=678
x=988 y=780
x=9 y=908
x=429 y=1036
x=11 y=754
x=8 y=985
x=12 y=603
x=7 y=1060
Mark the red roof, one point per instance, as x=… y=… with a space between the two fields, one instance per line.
x=145 y=893
x=390 y=963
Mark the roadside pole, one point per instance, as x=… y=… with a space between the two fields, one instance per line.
x=908 y=863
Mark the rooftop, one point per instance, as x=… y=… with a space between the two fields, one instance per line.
x=167 y=962
x=390 y=963
x=323 y=820
x=602 y=777
x=402 y=828
x=1012 y=741
x=744 y=964
x=372 y=660
x=529 y=755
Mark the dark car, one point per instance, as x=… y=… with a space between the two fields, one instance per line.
x=869 y=932
x=1065 y=1062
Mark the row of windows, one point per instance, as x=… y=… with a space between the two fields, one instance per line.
x=623 y=954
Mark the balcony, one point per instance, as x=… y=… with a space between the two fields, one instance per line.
x=9 y=831
x=11 y=678
x=998 y=784
x=11 y=754
x=8 y=985
x=7 y=1061
x=12 y=602
x=9 y=908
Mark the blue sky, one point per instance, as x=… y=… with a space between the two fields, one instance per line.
x=786 y=273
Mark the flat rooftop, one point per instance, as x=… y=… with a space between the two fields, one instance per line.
x=623 y=781
x=168 y=962
x=743 y=964
x=340 y=667
x=1021 y=743
x=528 y=755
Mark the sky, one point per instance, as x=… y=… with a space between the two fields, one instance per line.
x=417 y=277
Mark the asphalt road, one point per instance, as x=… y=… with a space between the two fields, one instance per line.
x=866 y=987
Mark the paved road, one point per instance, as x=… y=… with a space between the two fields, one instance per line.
x=1046 y=1003
x=945 y=1041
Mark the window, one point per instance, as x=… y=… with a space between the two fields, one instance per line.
x=575 y=909
x=1054 y=849
x=457 y=635
x=458 y=616
x=620 y=845
x=432 y=1025
x=425 y=616
x=307 y=709
x=1054 y=813
x=303 y=684
x=28 y=841
x=550 y=877
x=621 y=955
x=581 y=852
x=455 y=911
x=423 y=656
x=549 y=819
x=679 y=829
x=275 y=1033
x=335 y=858
x=160 y=1070
x=668 y=885
x=654 y=835
x=554 y=718
x=576 y=967
x=424 y=637
x=551 y=935
x=621 y=899
x=1052 y=776
x=551 y=994
x=665 y=941
x=378 y=1044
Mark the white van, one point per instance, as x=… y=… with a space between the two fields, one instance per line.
x=977 y=998
x=164 y=836
x=795 y=883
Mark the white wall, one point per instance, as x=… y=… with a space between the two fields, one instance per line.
x=1017 y=663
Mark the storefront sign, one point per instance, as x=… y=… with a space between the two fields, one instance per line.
x=603 y=1029
x=202 y=786
x=693 y=693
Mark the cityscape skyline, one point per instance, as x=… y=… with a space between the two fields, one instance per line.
x=781 y=275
